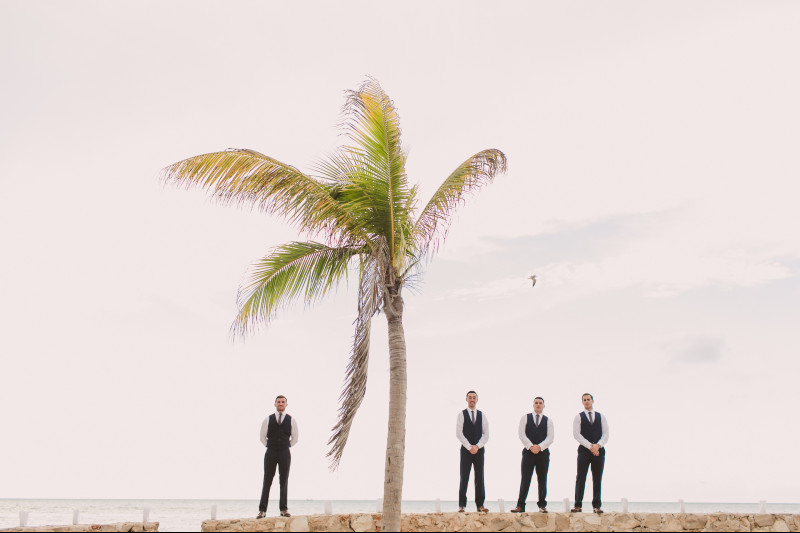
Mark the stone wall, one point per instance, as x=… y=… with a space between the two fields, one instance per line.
x=519 y=522
x=119 y=526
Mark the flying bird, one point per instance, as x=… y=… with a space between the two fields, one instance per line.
x=533 y=279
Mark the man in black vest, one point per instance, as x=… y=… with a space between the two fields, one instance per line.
x=590 y=429
x=472 y=431
x=536 y=433
x=278 y=433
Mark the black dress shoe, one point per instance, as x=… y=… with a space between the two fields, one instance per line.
x=576 y=510
x=542 y=509
x=598 y=510
x=261 y=514
x=285 y=513
x=518 y=509
x=461 y=510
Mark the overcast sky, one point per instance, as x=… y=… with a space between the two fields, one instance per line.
x=652 y=188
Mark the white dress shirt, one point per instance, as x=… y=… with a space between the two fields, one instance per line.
x=295 y=432
x=523 y=423
x=576 y=429
x=460 y=429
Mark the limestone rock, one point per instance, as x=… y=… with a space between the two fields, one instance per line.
x=362 y=523
x=562 y=522
x=652 y=521
x=763 y=520
x=622 y=522
x=672 y=524
x=780 y=525
x=299 y=523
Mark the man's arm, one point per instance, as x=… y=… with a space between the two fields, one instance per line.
x=604 y=424
x=460 y=431
x=550 y=435
x=576 y=432
x=522 y=436
x=295 y=438
x=485 y=436
x=264 y=425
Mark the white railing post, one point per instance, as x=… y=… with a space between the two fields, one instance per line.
x=379 y=505
x=23 y=518
x=501 y=505
x=566 y=505
x=145 y=515
x=624 y=505
x=762 y=506
x=437 y=505
x=328 y=507
x=681 y=507
x=214 y=512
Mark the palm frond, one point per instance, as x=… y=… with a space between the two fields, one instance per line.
x=434 y=220
x=297 y=269
x=373 y=126
x=370 y=295
x=247 y=177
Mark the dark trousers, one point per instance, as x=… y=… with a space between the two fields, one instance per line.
x=282 y=459
x=586 y=459
x=541 y=463
x=467 y=462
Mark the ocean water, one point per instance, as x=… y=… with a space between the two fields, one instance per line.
x=186 y=515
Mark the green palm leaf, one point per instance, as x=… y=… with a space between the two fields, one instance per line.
x=306 y=270
x=378 y=176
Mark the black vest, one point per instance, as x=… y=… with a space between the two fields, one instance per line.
x=591 y=432
x=536 y=434
x=278 y=435
x=473 y=432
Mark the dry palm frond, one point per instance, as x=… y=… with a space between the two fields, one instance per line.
x=246 y=177
x=370 y=289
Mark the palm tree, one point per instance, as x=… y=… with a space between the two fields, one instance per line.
x=357 y=209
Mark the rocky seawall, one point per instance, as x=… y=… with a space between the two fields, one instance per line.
x=119 y=526
x=519 y=522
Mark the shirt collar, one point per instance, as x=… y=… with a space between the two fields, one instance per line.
x=277 y=413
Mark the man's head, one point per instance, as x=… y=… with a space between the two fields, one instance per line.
x=588 y=401
x=472 y=399
x=280 y=403
x=538 y=405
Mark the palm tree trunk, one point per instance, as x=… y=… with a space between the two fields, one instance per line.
x=396 y=438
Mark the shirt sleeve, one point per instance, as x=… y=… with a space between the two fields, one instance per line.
x=460 y=431
x=264 y=431
x=295 y=438
x=485 y=436
x=576 y=432
x=604 y=424
x=522 y=436
x=551 y=434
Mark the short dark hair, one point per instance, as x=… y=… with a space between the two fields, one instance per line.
x=472 y=392
x=587 y=394
x=279 y=397
x=539 y=398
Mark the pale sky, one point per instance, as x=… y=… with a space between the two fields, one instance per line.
x=652 y=188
